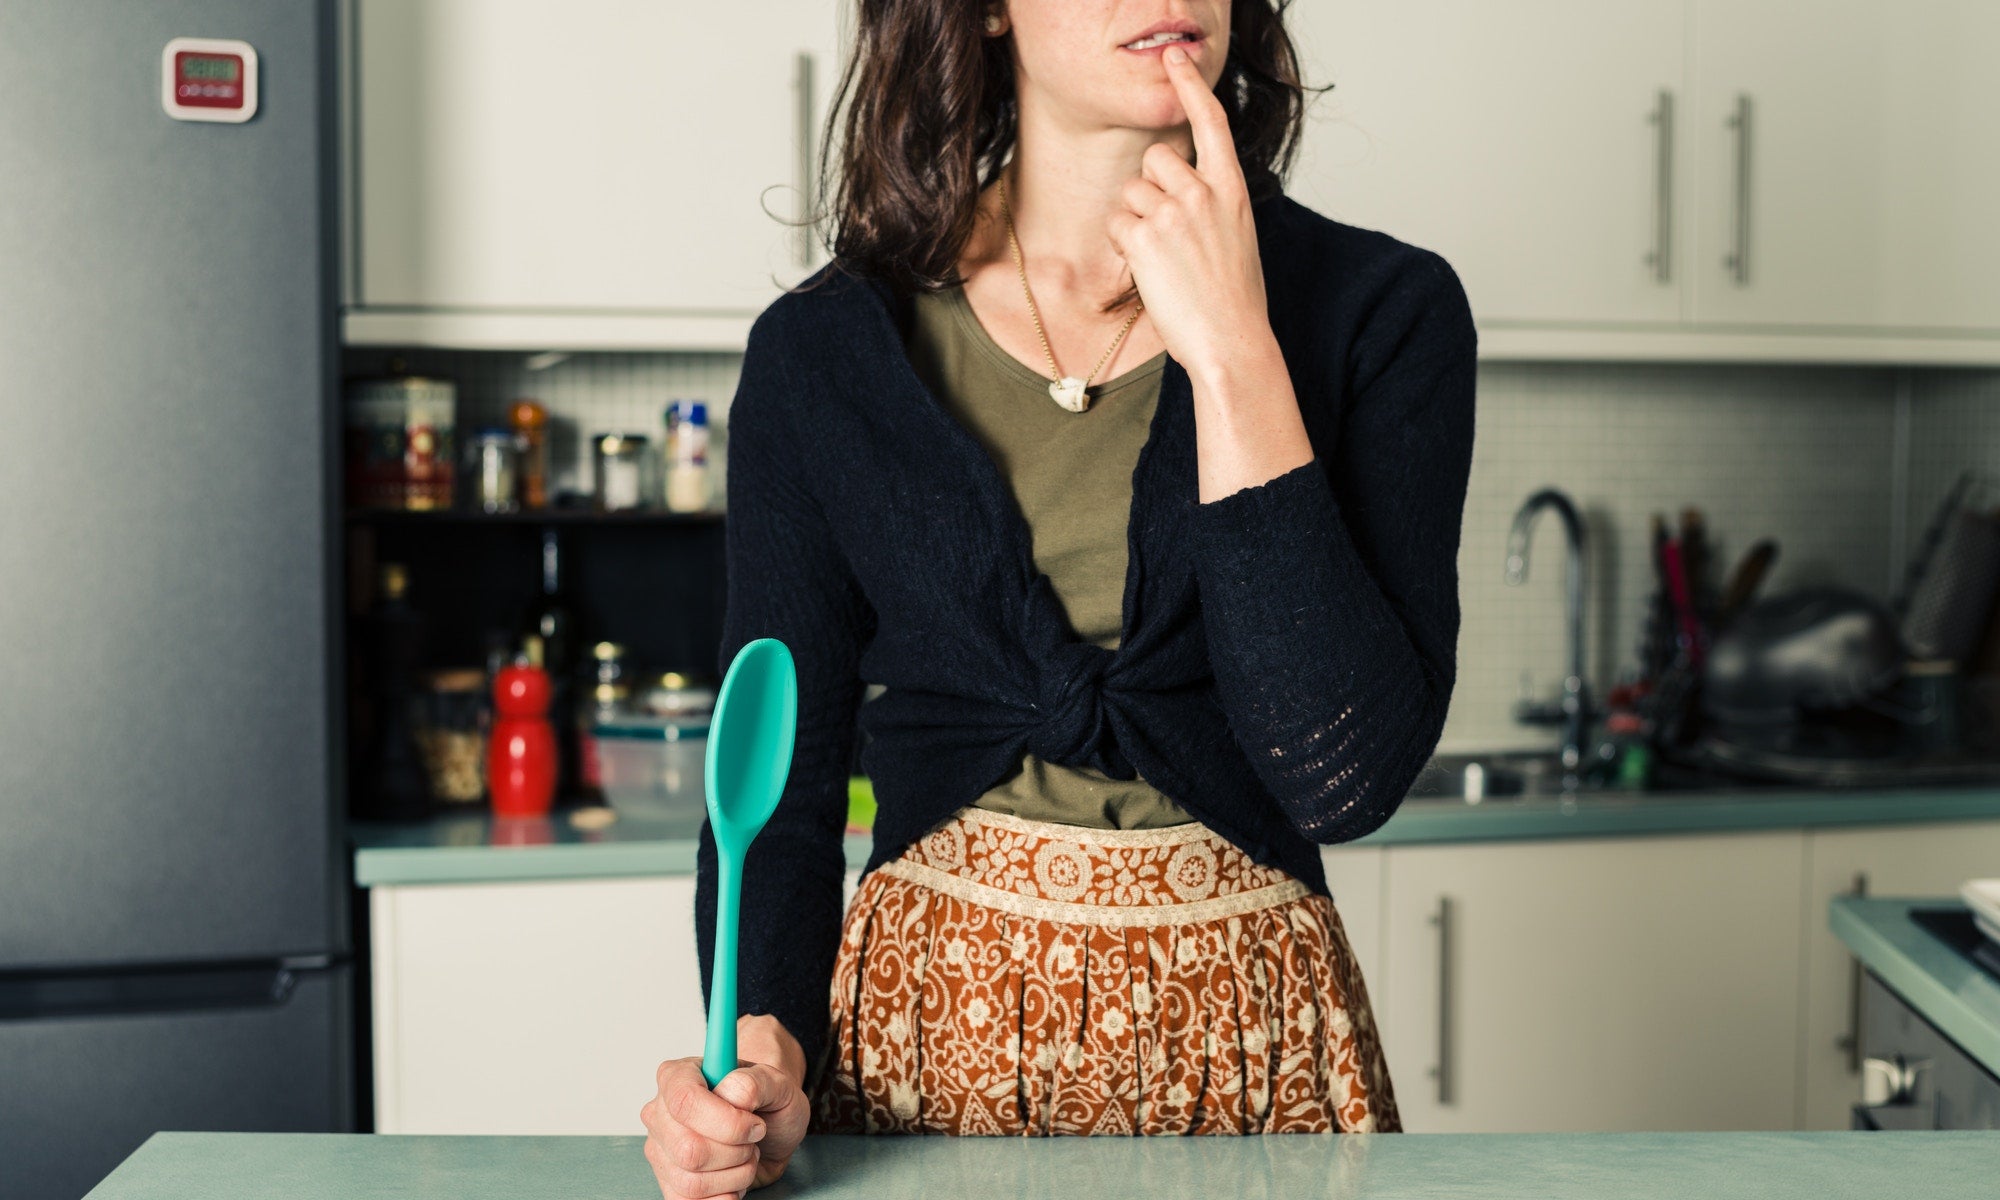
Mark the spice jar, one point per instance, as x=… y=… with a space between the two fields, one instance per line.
x=609 y=695
x=493 y=455
x=531 y=425
x=623 y=472
x=451 y=733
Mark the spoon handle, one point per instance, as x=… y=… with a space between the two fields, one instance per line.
x=719 y=1058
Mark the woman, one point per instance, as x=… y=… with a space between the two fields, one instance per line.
x=1137 y=487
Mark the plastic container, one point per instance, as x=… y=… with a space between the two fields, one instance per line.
x=530 y=421
x=651 y=766
x=686 y=463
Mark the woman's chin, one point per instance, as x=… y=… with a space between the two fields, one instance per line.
x=1161 y=118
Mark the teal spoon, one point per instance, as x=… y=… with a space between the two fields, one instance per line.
x=749 y=755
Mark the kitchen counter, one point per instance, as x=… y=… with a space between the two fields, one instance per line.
x=482 y=849
x=477 y=849
x=1768 y=1166
x=1950 y=990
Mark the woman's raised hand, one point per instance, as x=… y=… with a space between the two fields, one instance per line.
x=739 y=1136
x=1190 y=237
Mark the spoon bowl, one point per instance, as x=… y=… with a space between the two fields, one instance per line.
x=750 y=740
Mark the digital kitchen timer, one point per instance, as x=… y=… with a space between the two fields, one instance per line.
x=208 y=79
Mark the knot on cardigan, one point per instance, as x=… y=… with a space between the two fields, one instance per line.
x=1075 y=728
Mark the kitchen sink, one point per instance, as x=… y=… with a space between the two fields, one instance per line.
x=1472 y=778
x=1476 y=777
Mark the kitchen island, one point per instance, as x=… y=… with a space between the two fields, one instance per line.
x=1605 y=1166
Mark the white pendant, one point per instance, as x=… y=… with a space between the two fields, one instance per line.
x=1068 y=392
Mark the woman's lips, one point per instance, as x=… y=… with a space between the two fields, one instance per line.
x=1192 y=46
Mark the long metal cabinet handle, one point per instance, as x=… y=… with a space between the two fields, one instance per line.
x=1738 y=260
x=802 y=82
x=1442 y=1072
x=1851 y=1040
x=1662 y=121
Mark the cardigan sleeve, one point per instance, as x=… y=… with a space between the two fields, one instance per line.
x=1330 y=593
x=787 y=578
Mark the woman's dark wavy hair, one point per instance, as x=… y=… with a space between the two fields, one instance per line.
x=933 y=119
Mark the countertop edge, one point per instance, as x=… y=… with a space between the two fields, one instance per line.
x=468 y=852
x=1880 y=933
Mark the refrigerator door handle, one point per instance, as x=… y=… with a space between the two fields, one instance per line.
x=29 y=995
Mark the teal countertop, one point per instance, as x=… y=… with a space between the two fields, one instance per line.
x=1361 y=1166
x=477 y=849
x=481 y=849
x=1949 y=989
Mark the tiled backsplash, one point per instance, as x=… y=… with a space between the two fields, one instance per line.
x=1803 y=455
x=1841 y=466
x=1954 y=427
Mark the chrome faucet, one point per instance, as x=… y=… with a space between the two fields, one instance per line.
x=1573 y=710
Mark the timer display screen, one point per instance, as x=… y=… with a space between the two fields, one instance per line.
x=224 y=70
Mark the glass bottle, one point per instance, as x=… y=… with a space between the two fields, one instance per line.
x=391 y=783
x=553 y=624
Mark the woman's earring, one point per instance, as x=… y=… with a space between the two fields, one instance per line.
x=993 y=22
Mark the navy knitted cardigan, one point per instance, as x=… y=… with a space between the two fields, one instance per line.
x=1288 y=650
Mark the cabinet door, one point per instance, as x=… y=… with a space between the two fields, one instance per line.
x=1514 y=139
x=1354 y=874
x=595 y=155
x=1873 y=171
x=1912 y=860
x=1576 y=986
x=530 y=1008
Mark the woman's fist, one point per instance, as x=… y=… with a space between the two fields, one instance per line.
x=740 y=1135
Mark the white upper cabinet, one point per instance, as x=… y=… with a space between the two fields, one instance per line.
x=1585 y=168
x=588 y=161
x=1866 y=192
x=1612 y=179
x=1521 y=140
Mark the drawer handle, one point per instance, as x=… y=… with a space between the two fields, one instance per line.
x=1851 y=1040
x=1442 y=1072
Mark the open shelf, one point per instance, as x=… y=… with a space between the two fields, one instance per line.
x=547 y=516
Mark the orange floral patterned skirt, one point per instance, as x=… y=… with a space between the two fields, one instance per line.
x=1008 y=976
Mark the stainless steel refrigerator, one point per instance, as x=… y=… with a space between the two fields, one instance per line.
x=174 y=942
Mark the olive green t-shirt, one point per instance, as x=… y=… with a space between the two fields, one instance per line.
x=1071 y=473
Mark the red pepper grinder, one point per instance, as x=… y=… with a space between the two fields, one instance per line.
x=521 y=750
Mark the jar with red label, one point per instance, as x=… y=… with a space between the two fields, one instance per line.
x=399 y=442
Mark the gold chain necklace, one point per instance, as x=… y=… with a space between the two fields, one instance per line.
x=1067 y=390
